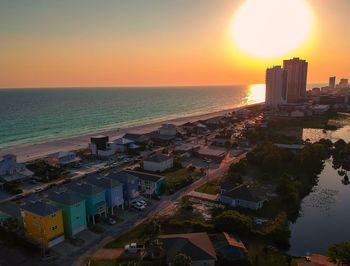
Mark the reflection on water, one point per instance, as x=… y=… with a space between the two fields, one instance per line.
x=256 y=93
x=325 y=214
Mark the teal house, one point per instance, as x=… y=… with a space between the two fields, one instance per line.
x=73 y=209
x=10 y=212
x=114 y=191
x=94 y=196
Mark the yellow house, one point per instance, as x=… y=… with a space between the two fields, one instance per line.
x=43 y=223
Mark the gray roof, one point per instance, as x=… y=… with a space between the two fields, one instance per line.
x=122 y=177
x=10 y=209
x=102 y=181
x=242 y=192
x=134 y=137
x=84 y=188
x=63 y=196
x=145 y=176
x=195 y=245
x=40 y=208
x=158 y=158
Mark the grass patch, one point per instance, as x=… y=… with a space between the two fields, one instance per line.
x=103 y=263
x=180 y=178
x=209 y=188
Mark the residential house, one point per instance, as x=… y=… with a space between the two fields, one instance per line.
x=243 y=113
x=214 y=122
x=136 y=138
x=63 y=158
x=149 y=184
x=11 y=171
x=43 y=223
x=10 y=211
x=197 y=246
x=130 y=185
x=229 y=248
x=94 y=197
x=241 y=196
x=158 y=163
x=113 y=189
x=101 y=147
x=223 y=140
x=214 y=154
x=73 y=210
x=168 y=130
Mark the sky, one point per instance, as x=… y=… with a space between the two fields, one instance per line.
x=50 y=43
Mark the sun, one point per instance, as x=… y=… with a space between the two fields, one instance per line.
x=271 y=28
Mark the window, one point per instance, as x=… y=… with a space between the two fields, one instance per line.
x=54 y=227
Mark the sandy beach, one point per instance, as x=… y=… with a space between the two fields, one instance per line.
x=34 y=151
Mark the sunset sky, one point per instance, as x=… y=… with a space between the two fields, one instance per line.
x=50 y=43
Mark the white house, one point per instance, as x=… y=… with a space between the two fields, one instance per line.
x=11 y=171
x=122 y=144
x=62 y=158
x=158 y=163
x=168 y=130
x=241 y=196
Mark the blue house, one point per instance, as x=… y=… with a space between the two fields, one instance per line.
x=114 y=190
x=95 y=198
x=130 y=185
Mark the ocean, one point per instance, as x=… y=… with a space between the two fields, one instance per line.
x=29 y=116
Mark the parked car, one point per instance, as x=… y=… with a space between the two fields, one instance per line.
x=138 y=206
x=144 y=203
x=111 y=221
x=134 y=248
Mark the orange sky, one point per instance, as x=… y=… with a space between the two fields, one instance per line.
x=147 y=43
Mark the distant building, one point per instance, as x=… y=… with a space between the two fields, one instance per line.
x=344 y=83
x=130 y=185
x=296 y=79
x=214 y=154
x=11 y=171
x=276 y=86
x=101 y=147
x=63 y=158
x=158 y=163
x=332 y=82
x=197 y=246
x=168 y=130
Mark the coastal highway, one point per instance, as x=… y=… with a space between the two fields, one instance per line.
x=163 y=207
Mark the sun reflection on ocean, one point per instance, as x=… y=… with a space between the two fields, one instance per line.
x=255 y=94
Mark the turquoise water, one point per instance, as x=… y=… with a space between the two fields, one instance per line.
x=39 y=115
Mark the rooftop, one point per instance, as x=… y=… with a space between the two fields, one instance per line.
x=196 y=245
x=84 y=188
x=102 y=182
x=63 y=196
x=158 y=158
x=11 y=209
x=242 y=192
x=40 y=208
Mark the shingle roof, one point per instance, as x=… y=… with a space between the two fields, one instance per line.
x=102 y=182
x=242 y=192
x=158 y=158
x=122 y=177
x=65 y=197
x=145 y=176
x=84 y=188
x=40 y=208
x=196 y=245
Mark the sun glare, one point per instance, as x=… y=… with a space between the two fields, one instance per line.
x=271 y=28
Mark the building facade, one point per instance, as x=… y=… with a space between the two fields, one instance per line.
x=276 y=86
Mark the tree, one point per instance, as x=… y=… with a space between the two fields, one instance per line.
x=153 y=228
x=233 y=220
x=182 y=260
x=155 y=248
x=339 y=253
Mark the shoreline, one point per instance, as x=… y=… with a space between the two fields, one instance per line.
x=28 y=152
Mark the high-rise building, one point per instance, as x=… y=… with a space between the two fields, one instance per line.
x=332 y=82
x=343 y=83
x=296 y=79
x=276 y=86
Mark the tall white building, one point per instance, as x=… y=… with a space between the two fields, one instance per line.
x=276 y=86
x=296 y=79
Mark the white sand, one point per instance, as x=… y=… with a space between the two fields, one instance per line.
x=34 y=151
